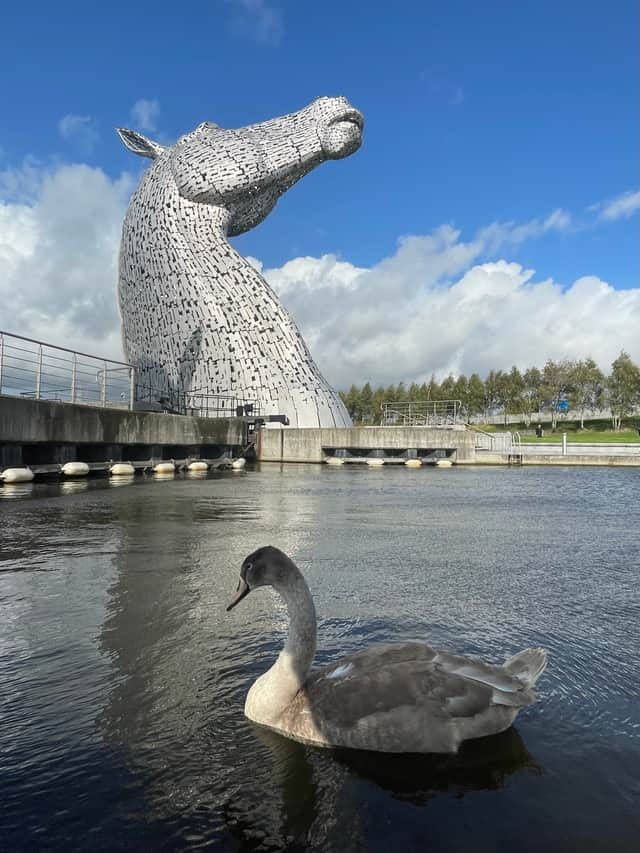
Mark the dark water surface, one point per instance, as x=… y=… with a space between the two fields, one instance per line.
x=122 y=679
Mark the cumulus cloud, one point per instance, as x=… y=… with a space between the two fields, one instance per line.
x=256 y=19
x=621 y=207
x=438 y=303
x=431 y=307
x=79 y=129
x=145 y=113
x=58 y=257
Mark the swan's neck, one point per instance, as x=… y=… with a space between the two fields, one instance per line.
x=300 y=646
x=276 y=688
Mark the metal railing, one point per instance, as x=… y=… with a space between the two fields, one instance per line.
x=495 y=442
x=421 y=413
x=220 y=406
x=41 y=371
x=196 y=403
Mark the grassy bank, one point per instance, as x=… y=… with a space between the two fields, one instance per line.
x=595 y=431
x=628 y=436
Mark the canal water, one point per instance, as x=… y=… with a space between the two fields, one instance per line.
x=122 y=678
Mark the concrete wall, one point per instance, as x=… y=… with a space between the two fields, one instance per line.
x=34 y=421
x=582 y=459
x=305 y=445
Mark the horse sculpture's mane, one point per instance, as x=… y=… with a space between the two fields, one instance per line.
x=197 y=318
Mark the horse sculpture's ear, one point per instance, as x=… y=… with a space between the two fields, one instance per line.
x=139 y=144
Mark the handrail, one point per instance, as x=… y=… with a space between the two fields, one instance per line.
x=46 y=371
x=420 y=412
x=64 y=349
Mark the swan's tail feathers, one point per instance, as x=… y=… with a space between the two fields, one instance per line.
x=527 y=666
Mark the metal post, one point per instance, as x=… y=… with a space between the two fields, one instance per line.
x=564 y=444
x=73 y=377
x=132 y=374
x=104 y=384
x=39 y=372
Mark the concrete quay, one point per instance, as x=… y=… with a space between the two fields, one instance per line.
x=603 y=458
x=397 y=444
x=609 y=459
x=44 y=432
x=315 y=444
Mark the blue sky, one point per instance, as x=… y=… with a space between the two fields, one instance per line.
x=476 y=113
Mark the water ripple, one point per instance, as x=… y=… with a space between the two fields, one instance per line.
x=124 y=679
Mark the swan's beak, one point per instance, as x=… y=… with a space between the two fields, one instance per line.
x=242 y=590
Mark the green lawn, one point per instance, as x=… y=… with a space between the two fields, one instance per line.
x=596 y=431
x=626 y=436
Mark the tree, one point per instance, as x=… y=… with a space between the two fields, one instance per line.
x=461 y=392
x=447 y=388
x=623 y=388
x=366 y=403
x=352 y=401
x=531 y=392
x=508 y=392
x=378 y=401
x=401 y=393
x=587 y=384
x=475 y=395
x=432 y=389
x=414 y=393
x=491 y=397
x=556 y=385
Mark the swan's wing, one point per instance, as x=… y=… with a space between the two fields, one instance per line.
x=408 y=697
x=380 y=658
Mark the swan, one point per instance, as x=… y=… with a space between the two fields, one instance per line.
x=403 y=697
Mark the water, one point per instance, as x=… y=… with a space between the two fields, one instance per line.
x=123 y=679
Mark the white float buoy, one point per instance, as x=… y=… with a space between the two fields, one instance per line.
x=17 y=475
x=122 y=469
x=164 y=468
x=375 y=461
x=239 y=463
x=334 y=460
x=413 y=463
x=444 y=463
x=75 y=469
x=199 y=465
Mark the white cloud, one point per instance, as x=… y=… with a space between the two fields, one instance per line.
x=431 y=308
x=621 y=207
x=435 y=305
x=58 y=257
x=145 y=113
x=499 y=234
x=79 y=129
x=23 y=184
x=256 y=19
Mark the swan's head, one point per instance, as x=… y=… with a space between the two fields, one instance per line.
x=267 y=566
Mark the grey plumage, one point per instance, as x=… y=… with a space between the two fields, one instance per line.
x=390 y=698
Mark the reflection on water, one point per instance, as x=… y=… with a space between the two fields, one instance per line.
x=124 y=678
x=72 y=487
x=13 y=491
x=122 y=480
